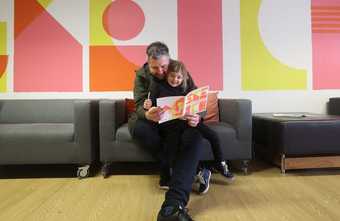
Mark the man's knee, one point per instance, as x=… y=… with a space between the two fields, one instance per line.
x=147 y=134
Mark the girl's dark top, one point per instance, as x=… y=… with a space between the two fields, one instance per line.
x=161 y=88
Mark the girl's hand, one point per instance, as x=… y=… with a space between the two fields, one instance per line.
x=147 y=104
x=193 y=120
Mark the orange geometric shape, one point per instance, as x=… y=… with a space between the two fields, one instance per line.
x=3 y=64
x=109 y=70
x=24 y=13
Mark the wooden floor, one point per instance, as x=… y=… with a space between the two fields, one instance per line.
x=263 y=195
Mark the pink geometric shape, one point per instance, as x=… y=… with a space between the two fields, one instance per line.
x=134 y=54
x=47 y=58
x=123 y=19
x=326 y=44
x=326 y=65
x=200 y=40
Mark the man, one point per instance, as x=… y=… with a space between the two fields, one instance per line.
x=143 y=127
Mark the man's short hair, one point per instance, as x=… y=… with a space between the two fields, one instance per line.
x=157 y=49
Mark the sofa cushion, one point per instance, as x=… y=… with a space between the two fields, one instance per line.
x=37 y=132
x=123 y=133
x=36 y=111
x=223 y=130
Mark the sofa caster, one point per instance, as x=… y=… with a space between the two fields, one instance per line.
x=244 y=167
x=83 y=172
x=106 y=170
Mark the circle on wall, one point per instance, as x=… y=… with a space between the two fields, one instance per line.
x=123 y=19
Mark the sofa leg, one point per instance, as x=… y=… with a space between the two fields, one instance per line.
x=83 y=171
x=106 y=170
x=244 y=166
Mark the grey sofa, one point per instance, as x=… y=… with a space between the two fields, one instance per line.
x=333 y=107
x=48 y=132
x=116 y=145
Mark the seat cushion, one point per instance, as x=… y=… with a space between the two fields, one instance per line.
x=222 y=129
x=37 y=132
x=123 y=134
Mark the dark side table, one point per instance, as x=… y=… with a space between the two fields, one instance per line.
x=297 y=140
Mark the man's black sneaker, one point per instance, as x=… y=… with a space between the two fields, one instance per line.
x=173 y=213
x=223 y=169
x=201 y=184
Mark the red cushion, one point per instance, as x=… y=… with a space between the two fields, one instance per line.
x=212 y=108
x=130 y=107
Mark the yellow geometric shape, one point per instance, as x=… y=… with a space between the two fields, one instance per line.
x=44 y=3
x=3 y=38
x=3 y=83
x=98 y=36
x=3 y=51
x=260 y=70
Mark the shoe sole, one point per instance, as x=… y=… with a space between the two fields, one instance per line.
x=206 y=190
x=164 y=187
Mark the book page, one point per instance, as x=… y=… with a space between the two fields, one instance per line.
x=196 y=101
x=173 y=107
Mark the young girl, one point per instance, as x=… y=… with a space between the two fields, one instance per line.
x=177 y=84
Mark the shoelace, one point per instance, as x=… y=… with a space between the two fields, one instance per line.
x=225 y=168
x=201 y=178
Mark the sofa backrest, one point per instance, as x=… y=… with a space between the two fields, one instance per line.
x=36 y=111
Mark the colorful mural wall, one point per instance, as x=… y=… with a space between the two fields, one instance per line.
x=117 y=48
x=90 y=46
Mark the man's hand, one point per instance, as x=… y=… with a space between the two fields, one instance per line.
x=147 y=104
x=193 y=120
x=154 y=114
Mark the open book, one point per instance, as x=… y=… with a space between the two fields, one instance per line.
x=177 y=106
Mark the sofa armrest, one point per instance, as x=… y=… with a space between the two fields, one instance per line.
x=84 y=129
x=82 y=120
x=111 y=117
x=238 y=113
x=334 y=106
